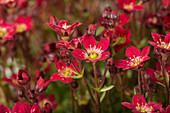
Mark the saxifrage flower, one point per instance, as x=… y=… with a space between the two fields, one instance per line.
x=139 y=105
x=7 y=30
x=130 y=5
x=64 y=71
x=136 y=59
x=94 y=52
x=121 y=38
x=62 y=28
x=23 y=24
x=160 y=43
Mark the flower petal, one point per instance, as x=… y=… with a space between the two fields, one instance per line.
x=123 y=19
x=129 y=105
x=89 y=42
x=66 y=79
x=103 y=44
x=35 y=108
x=139 y=7
x=145 y=51
x=167 y=38
x=132 y=52
x=55 y=76
x=122 y=63
x=156 y=37
x=138 y=100
x=80 y=54
x=155 y=105
x=71 y=28
x=104 y=55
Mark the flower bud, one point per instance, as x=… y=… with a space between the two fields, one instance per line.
x=42 y=84
x=74 y=85
x=47 y=108
x=23 y=77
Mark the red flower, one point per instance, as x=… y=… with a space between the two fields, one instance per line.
x=62 y=28
x=139 y=105
x=165 y=110
x=110 y=18
x=23 y=77
x=23 y=24
x=64 y=71
x=166 y=22
x=42 y=100
x=159 y=43
x=165 y=4
x=130 y=5
x=7 y=31
x=21 y=108
x=136 y=59
x=4 y=109
x=155 y=75
x=151 y=20
x=12 y=80
x=94 y=52
x=7 y=1
x=121 y=38
x=36 y=108
x=42 y=84
x=107 y=33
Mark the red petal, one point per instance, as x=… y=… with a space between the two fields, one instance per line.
x=89 y=42
x=132 y=52
x=55 y=77
x=59 y=64
x=156 y=37
x=41 y=97
x=51 y=98
x=139 y=7
x=145 y=51
x=122 y=63
x=155 y=105
x=103 y=44
x=168 y=109
x=129 y=105
x=138 y=99
x=71 y=28
x=123 y=19
x=35 y=108
x=66 y=79
x=80 y=54
x=104 y=55
x=167 y=39
x=62 y=22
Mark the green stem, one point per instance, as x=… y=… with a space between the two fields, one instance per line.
x=72 y=99
x=96 y=92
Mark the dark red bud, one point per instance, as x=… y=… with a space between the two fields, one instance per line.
x=47 y=108
x=23 y=77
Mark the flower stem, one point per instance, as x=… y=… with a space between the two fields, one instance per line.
x=143 y=79
x=96 y=92
x=139 y=83
x=166 y=84
x=72 y=99
x=103 y=78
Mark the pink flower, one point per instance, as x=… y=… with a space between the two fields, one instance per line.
x=130 y=5
x=64 y=71
x=159 y=43
x=136 y=59
x=155 y=75
x=23 y=24
x=121 y=38
x=165 y=4
x=4 y=109
x=94 y=52
x=42 y=100
x=62 y=28
x=7 y=31
x=139 y=105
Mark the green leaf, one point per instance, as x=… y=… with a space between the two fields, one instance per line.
x=102 y=96
x=106 y=88
x=160 y=84
x=167 y=78
x=96 y=89
x=78 y=75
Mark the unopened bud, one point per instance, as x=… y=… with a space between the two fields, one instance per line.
x=47 y=108
x=23 y=77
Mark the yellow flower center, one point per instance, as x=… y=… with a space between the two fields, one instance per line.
x=93 y=56
x=65 y=26
x=164 y=45
x=143 y=108
x=65 y=72
x=128 y=6
x=3 y=32
x=120 y=40
x=21 y=27
x=136 y=60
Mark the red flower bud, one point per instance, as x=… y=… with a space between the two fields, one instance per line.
x=47 y=108
x=23 y=77
x=42 y=84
